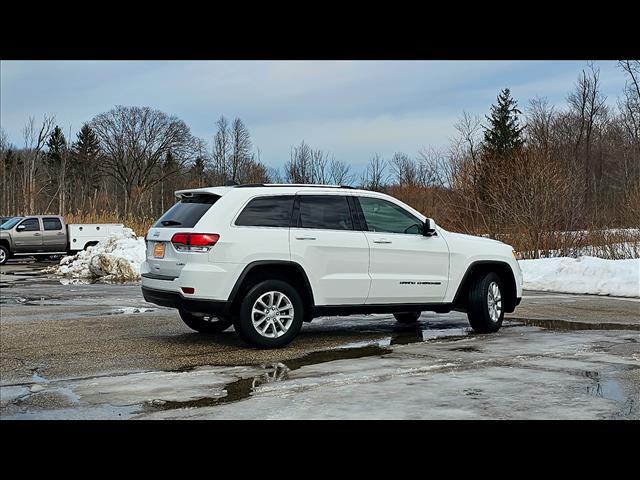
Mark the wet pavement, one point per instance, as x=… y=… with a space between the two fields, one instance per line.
x=99 y=351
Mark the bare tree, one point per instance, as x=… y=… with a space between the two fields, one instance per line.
x=221 y=150
x=540 y=117
x=134 y=141
x=299 y=167
x=35 y=139
x=339 y=172
x=587 y=103
x=241 y=154
x=404 y=169
x=374 y=177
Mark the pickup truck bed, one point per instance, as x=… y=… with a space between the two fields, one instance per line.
x=49 y=235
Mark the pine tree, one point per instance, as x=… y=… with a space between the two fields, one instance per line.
x=56 y=145
x=504 y=134
x=85 y=161
x=56 y=161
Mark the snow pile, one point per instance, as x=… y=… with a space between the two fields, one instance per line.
x=583 y=275
x=116 y=258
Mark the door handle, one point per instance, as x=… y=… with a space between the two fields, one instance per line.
x=60 y=233
x=36 y=234
x=382 y=241
x=305 y=238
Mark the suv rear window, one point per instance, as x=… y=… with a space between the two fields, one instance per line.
x=187 y=212
x=329 y=212
x=267 y=212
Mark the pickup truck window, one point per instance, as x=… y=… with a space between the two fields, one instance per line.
x=52 y=223
x=30 y=225
x=187 y=212
x=9 y=224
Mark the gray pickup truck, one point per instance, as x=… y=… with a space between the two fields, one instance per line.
x=45 y=235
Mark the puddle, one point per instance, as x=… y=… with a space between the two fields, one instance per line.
x=33 y=301
x=465 y=349
x=23 y=274
x=573 y=325
x=244 y=388
x=277 y=372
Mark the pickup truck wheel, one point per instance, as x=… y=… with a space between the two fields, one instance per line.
x=486 y=306
x=205 y=324
x=407 y=317
x=4 y=255
x=271 y=315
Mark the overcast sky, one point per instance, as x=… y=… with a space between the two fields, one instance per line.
x=349 y=108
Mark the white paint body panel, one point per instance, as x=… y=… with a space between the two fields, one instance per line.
x=343 y=267
x=82 y=233
x=407 y=269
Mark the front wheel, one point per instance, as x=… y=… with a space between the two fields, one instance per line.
x=4 y=255
x=271 y=315
x=486 y=306
x=205 y=323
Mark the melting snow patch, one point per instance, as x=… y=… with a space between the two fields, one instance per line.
x=116 y=258
x=132 y=310
x=432 y=334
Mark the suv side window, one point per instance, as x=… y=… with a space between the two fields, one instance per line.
x=267 y=212
x=384 y=216
x=31 y=225
x=52 y=223
x=328 y=212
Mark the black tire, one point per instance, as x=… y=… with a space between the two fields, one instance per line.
x=407 y=317
x=478 y=310
x=4 y=255
x=205 y=324
x=244 y=324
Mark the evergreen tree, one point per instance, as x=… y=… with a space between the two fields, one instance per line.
x=197 y=171
x=56 y=145
x=86 y=151
x=504 y=133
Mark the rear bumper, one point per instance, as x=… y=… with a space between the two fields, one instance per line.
x=166 y=298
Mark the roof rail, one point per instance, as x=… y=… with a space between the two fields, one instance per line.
x=250 y=185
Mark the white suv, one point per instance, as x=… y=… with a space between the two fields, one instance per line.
x=266 y=258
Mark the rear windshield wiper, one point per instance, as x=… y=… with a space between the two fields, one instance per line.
x=166 y=223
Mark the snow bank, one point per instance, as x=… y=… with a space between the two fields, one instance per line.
x=116 y=258
x=583 y=275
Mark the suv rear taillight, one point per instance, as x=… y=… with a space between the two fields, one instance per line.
x=194 y=242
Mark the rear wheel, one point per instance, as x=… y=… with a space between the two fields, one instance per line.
x=407 y=317
x=486 y=305
x=4 y=255
x=205 y=323
x=271 y=315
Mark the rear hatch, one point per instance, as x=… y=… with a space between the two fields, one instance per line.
x=167 y=259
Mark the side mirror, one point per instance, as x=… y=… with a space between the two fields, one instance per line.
x=19 y=228
x=429 y=228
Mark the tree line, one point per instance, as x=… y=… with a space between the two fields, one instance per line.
x=527 y=171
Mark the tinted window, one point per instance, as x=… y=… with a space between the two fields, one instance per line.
x=267 y=212
x=384 y=216
x=31 y=225
x=328 y=212
x=186 y=212
x=52 y=223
